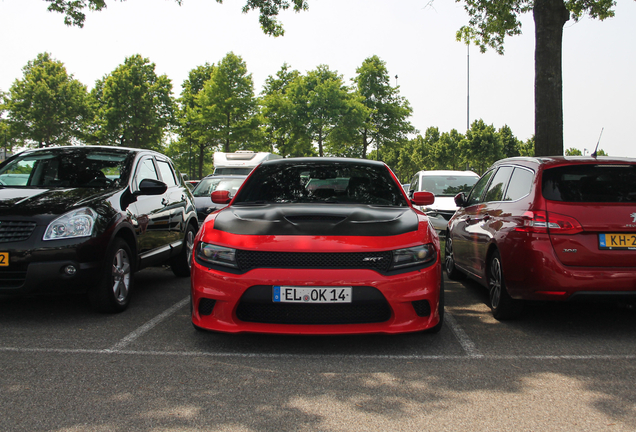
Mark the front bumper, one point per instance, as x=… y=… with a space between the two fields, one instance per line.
x=53 y=266
x=217 y=296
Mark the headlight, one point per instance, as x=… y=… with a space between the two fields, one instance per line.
x=417 y=255
x=219 y=255
x=77 y=223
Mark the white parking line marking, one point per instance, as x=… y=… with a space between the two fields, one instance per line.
x=321 y=356
x=467 y=344
x=149 y=325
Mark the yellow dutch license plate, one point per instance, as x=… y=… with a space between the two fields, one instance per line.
x=617 y=241
x=4 y=259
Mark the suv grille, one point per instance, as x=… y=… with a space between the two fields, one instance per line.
x=368 y=305
x=11 y=231
x=248 y=260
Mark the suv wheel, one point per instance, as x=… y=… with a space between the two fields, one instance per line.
x=502 y=305
x=112 y=293
x=181 y=263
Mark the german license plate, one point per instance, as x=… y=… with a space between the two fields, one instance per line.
x=294 y=294
x=4 y=259
x=617 y=241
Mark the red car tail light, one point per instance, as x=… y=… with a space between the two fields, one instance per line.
x=554 y=223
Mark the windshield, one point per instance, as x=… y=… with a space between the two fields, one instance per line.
x=322 y=182
x=448 y=185
x=210 y=184
x=81 y=167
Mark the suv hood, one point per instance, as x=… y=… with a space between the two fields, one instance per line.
x=39 y=201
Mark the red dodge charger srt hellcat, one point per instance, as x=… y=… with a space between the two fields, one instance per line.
x=318 y=246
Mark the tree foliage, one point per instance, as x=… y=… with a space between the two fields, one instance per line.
x=47 y=106
x=133 y=106
x=323 y=104
x=387 y=113
x=227 y=109
x=74 y=11
x=189 y=147
x=491 y=21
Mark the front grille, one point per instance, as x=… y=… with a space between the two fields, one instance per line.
x=368 y=306
x=248 y=260
x=11 y=231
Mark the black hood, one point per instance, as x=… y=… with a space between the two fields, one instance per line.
x=317 y=219
x=39 y=201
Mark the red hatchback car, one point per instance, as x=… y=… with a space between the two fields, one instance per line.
x=548 y=228
x=318 y=246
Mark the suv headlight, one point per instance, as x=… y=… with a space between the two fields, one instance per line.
x=417 y=255
x=218 y=255
x=76 y=223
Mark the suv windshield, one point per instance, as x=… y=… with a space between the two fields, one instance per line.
x=322 y=182
x=448 y=185
x=590 y=183
x=210 y=184
x=81 y=167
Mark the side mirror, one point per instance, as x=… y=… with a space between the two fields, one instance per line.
x=221 y=197
x=151 y=187
x=460 y=199
x=423 y=198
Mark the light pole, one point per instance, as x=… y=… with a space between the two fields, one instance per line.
x=467 y=86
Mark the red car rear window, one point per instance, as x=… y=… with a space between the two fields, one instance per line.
x=590 y=183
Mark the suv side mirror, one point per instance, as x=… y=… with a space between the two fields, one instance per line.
x=423 y=198
x=151 y=187
x=460 y=199
x=221 y=197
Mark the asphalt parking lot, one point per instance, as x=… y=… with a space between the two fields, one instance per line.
x=66 y=368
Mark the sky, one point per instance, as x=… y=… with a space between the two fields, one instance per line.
x=447 y=84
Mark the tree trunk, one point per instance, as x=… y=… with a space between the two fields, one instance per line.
x=549 y=18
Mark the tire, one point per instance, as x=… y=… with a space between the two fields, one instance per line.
x=449 y=261
x=502 y=305
x=181 y=263
x=440 y=309
x=112 y=292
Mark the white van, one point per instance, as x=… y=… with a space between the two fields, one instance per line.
x=240 y=162
x=445 y=184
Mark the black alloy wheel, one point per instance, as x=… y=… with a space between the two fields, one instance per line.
x=502 y=305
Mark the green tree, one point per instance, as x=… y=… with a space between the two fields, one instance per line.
x=482 y=146
x=573 y=152
x=509 y=143
x=446 y=153
x=387 y=113
x=491 y=21
x=323 y=105
x=73 y=11
x=189 y=128
x=133 y=105
x=48 y=106
x=282 y=129
x=227 y=107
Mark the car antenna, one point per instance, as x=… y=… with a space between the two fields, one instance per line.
x=598 y=142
